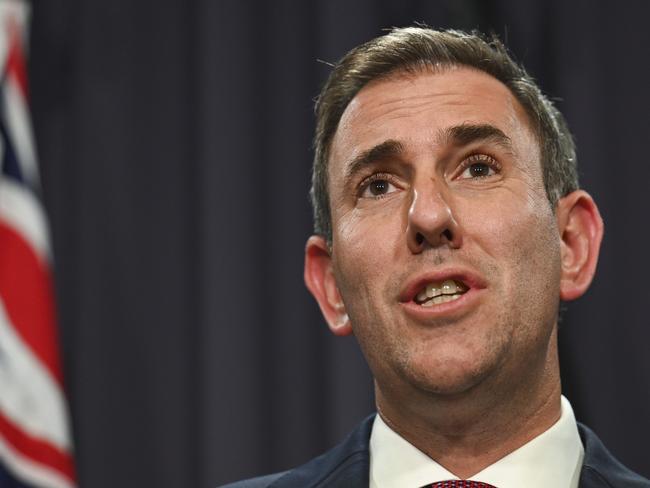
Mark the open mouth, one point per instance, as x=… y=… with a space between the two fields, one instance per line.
x=435 y=292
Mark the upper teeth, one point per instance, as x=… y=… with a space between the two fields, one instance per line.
x=436 y=289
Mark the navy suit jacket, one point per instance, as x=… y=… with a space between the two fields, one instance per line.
x=347 y=465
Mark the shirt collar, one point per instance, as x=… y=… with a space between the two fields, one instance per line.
x=554 y=458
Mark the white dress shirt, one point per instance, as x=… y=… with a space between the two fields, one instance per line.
x=553 y=458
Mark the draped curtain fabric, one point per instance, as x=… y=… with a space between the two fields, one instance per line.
x=174 y=140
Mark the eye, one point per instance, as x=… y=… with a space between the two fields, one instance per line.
x=376 y=187
x=479 y=166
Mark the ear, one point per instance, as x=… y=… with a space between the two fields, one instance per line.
x=320 y=280
x=581 y=232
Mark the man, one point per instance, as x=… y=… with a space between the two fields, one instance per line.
x=448 y=226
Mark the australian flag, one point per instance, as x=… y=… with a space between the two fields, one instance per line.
x=35 y=440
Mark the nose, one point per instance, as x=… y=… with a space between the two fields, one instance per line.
x=431 y=222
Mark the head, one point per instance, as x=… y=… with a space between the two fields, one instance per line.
x=412 y=49
x=449 y=223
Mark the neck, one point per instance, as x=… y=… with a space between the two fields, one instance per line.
x=469 y=431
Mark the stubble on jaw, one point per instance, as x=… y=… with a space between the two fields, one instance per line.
x=484 y=381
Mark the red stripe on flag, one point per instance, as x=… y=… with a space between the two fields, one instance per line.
x=26 y=290
x=15 y=59
x=37 y=450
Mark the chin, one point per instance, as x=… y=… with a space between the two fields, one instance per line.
x=447 y=377
x=448 y=386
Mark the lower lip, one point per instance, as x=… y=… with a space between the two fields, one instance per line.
x=447 y=309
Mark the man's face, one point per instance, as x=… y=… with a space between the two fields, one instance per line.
x=436 y=186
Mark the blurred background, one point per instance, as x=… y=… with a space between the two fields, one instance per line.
x=174 y=140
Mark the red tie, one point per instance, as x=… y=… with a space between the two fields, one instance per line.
x=459 y=484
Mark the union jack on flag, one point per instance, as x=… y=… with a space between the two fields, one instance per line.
x=35 y=441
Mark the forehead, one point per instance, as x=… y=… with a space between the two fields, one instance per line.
x=414 y=108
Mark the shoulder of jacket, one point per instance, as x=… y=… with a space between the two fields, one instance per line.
x=345 y=465
x=601 y=469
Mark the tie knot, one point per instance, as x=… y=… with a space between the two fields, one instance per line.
x=459 y=484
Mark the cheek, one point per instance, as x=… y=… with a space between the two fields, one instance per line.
x=364 y=246
x=520 y=239
x=514 y=224
x=368 y=238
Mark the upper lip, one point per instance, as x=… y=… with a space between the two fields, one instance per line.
x=415 y=285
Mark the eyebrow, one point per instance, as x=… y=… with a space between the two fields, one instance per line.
x=465 y=134
x=381 y=152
